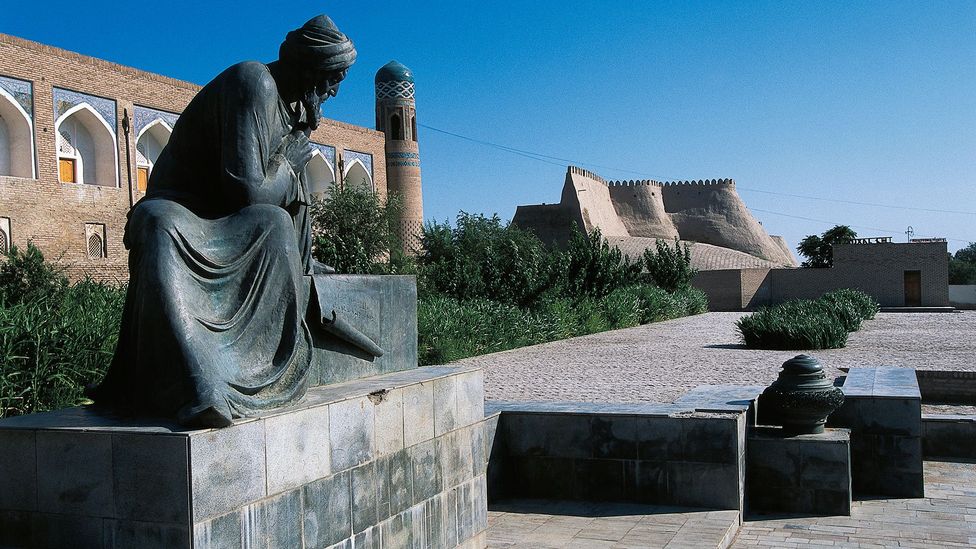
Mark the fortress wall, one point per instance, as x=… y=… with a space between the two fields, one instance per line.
x=712 y=212
x=640 y=206
x=587 y=194
x=781 y=242
x=550 y=222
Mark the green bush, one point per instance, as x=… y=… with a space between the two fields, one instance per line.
x=670 y=268
x=353 y=231
x=591 y=266
x=482 y=259
x=54 y=338
x=822 y=323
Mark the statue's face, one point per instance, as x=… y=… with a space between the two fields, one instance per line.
x=318 y=89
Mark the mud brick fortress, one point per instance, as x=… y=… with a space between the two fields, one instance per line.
x=79 y=135
x=709 y=215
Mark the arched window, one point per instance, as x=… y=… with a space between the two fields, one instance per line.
x=96 y=247
x=396 y=128
x=413 y=127
x=87 y=150
x=4 y=242
x=16 y=139
x=321 y=177
x=149 y=144
x=357 y=176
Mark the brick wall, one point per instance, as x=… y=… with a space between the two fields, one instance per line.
x=877 y=269
x=52 y=214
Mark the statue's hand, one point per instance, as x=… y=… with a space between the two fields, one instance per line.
x=297 y=150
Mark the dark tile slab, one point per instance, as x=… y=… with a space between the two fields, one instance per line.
x=120 y=534
x=542 y=477
x=51 y=531
x=151 y=475
x=327 y=505
x=365 y=496
x=75 y=473
x=659 y=438
x=352 y=433
x=713 y=440
x=397 y=531
x=426 y=469
x=369 y=539
x=445 y=405
x=399 y=477
x=297 y=448
x=455 y=457
x=274 y=522
x=646 y=482
x=599 y=479
x=15 y=529
x=614 y=437
x=18 y=470
x=552 y=435
x=714 y=485
x=223 y=532
x=227 y=469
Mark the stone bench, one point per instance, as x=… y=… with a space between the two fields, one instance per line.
x=883 y=409
x=643 y=453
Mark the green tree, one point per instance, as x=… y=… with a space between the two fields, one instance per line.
x=353 y=231
x=25 y=276
x=962 y=267
x=819 y=250
x=670 y=269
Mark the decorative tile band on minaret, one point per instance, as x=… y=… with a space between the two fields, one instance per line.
x=396 y=117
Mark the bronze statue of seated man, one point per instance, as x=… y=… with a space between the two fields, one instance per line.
x=214 y=322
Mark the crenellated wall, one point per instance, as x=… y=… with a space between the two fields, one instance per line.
x=703 y=211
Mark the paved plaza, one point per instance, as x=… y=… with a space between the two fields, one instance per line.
x=946 y=517
x=659 y=362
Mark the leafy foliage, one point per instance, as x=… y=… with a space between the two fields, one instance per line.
x=26 y=277
x=670 y=268
x=819 y=250
x=54 y=338
x=962 y=267
x=590 y=266
x=482 y=259
x=353 y=231
x=822 y=323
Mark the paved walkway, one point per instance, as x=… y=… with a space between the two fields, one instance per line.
x=946 y=517
x=660 y=362
x=539 y=524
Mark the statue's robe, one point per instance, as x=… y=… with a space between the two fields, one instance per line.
x=214 y=319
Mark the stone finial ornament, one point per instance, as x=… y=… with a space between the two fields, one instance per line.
x=801 y=398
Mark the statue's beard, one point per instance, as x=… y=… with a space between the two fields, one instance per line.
x=311 y=107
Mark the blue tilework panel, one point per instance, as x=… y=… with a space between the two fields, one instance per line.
x=366 y=158
x=64 y=100
x=22 y=91
x=143 y=116
x=403 y=159
x=328 y=153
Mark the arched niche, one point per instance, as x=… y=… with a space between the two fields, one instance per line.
x=357 y=176
x=149 y=143
x=87 y=141
x=321 y=176
x=16 y=138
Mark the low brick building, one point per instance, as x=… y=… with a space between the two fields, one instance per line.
x=78 y=138
x=913 y=274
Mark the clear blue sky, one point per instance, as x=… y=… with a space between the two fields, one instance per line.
x=860 y=101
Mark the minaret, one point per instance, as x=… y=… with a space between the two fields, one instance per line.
x=396 y=116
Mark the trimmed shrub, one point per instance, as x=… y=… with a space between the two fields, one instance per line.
x=822 y=323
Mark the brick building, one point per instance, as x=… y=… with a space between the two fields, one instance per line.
x=913 y=274
x=78 y=138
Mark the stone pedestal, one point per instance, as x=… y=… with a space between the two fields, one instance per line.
x=392 y=461
x=808 y=474
x=883 y=409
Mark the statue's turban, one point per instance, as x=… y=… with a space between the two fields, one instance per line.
x=318 y=45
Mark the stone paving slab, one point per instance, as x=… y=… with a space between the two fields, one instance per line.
x=946 y=517
x=660 y=362
x=548 y=524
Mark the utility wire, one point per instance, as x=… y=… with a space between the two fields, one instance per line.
x=562 y=161
x=824 y=221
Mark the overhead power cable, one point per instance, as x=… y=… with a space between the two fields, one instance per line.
x=563 y=161
x=834 y=223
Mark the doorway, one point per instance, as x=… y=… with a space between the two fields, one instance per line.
x=913 y=288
